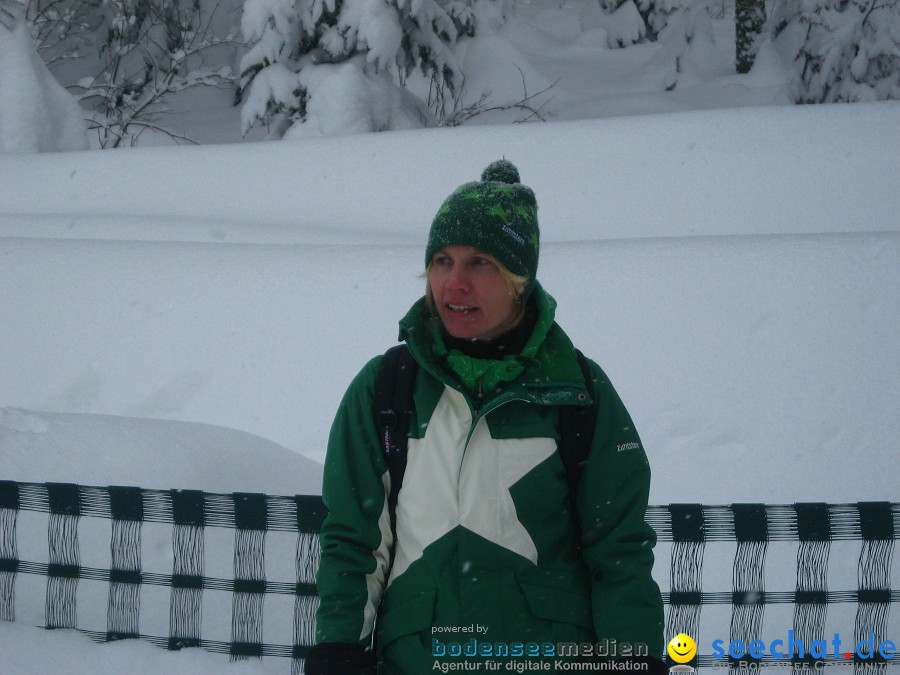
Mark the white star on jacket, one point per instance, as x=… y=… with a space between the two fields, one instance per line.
x=449 y=482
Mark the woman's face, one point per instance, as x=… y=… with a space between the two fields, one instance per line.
x=472 y=298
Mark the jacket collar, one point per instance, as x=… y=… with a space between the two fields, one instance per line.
x=546 y=372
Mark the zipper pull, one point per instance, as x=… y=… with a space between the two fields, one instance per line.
x=480 y=388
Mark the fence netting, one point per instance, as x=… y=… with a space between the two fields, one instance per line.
x=235 y=573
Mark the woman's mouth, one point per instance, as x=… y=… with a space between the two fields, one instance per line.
x=460 y=309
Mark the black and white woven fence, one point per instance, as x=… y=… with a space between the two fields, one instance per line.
x=794 y=544
x=232 y=573
x=235 y=573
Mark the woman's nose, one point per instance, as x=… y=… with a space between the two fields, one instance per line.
x=458 y=279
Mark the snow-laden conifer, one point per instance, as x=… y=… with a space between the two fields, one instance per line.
x=749 y=18
x=297 y=46
x=656 y=13
x=687 y=34
x=841 y=50
x=621 y=20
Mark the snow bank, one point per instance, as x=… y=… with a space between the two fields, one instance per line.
x=738 y=171
x=36 y=113
x=152 y=453
x=766 y=357
x=226 y=286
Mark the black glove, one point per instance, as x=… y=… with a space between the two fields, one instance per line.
x=339 y=658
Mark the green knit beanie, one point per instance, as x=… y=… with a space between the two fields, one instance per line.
x=497 y=215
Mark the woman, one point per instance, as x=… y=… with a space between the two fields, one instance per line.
x=487 y=547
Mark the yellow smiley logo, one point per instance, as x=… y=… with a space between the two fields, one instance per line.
x=682 y=648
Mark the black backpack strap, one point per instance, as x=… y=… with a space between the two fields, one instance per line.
x=393 y=407
x=576 y=434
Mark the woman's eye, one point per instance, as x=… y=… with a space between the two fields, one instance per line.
x=478 y=260
x=441 y=260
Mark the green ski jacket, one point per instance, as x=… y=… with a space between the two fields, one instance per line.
x=486 y=556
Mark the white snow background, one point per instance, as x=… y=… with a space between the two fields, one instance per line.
x=190 y=317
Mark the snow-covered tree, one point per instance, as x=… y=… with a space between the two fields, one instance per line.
x=150 y=50
x=687 y=33
x=656 y=13
x=841 y=50
x=621 y=20
x=298 y=44
x=749 y=19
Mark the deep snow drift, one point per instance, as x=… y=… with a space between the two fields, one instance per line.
x=36 y=113
x=221 y=285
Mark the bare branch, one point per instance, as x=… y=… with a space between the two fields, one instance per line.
x=480 y=106
x=157 y=52
x=168 y=132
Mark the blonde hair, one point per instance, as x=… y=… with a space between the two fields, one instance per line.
x=515 y=284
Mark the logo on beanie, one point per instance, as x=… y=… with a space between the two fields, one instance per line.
x=512 y=233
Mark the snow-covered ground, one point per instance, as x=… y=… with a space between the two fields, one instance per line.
x=734 y=271
x=189 y=317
